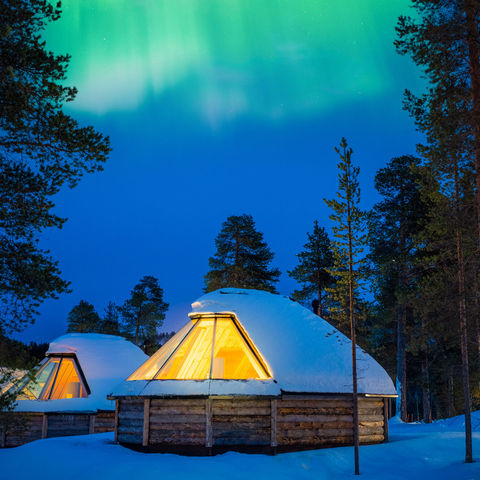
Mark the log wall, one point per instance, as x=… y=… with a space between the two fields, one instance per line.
x=130 y=421
x=178 y=422
x=287 y=422
x=30 y=426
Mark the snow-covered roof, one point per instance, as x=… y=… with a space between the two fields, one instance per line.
x=304 y=352
x=106 y=360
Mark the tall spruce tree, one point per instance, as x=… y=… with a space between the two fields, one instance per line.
x=242 y=258
x=41 y=150
x=350 y=239
x=393 y=228
x=143 y=313
x=84 y=319
x=444 y=40
x=312 y=269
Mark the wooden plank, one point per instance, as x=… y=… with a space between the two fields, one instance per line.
x=180 y=410
x=208 y=423
x=315 y=410
x=44 y=426
x=115 y=438
x=172 y=427
x=240 y=403
x=273 y=424
x=386 y=402
x=242 y=411
x=315 y=418
x=91 y=424
x=186 y=419
x=371 y=438
x=318 y=425
x=315 y=403
x=315 y=441
x=258 y=420
x=146 y=421
x=171 y=402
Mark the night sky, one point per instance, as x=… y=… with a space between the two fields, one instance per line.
x=217 y=108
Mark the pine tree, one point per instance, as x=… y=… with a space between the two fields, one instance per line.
x=84 y=319
x=393 y=228
x=348 y=246
x=312 y=270
x=143 y=313
x=42 y=149
x=111 y=320
x=242 y=258
x=443 y=39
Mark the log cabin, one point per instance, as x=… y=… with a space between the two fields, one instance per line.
x=251 y=371
x=68 y=392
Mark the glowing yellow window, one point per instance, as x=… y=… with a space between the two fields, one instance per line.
x=192 y=359
x=233 y=357
x=210 y=346
x=58 y=378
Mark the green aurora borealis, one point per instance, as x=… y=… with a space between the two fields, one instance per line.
x=225 y=58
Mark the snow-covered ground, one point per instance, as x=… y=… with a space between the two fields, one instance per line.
x=415 y=451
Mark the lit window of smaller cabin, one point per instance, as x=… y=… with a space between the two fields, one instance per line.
x=58 y=378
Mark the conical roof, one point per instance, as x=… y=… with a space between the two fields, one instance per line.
x=300 y=352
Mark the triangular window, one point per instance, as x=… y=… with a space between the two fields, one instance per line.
x=209 y=347
x=59 y=377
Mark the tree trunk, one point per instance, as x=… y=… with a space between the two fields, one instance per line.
x=427 y=407
x=450 y=398
x=402 y=314
x=137 y=330
x=474 y=62
x=354 y=343
x=402 y=362
x=462 y=310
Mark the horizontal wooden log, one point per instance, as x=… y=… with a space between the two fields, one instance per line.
x=174 y=402
x=256 y=420
x=238 y=410
x=317 y=432
x=173 y=427
x=318 y=425
x=130 y=438
x=260 y=403
x=315 y=441
x=314 y=410
x=186 y=419
x=314 y=418
x=371 y=431
x=316 y=403
x=179 y=410
x=240 y=429
x=176 y=439
x=242 y=441
x=371 y=438
x=370 y=403
x=130 y=413
x=370 y=418
x=371 y=424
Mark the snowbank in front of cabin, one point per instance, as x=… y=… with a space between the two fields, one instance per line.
x=106 y=360
x=415 y=452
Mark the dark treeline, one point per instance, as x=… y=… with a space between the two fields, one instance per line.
x=137 y=319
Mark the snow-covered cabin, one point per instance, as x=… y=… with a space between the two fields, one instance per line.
x=252 y=369
x=68 y=394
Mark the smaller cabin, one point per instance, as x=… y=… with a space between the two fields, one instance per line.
x=68 y=392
